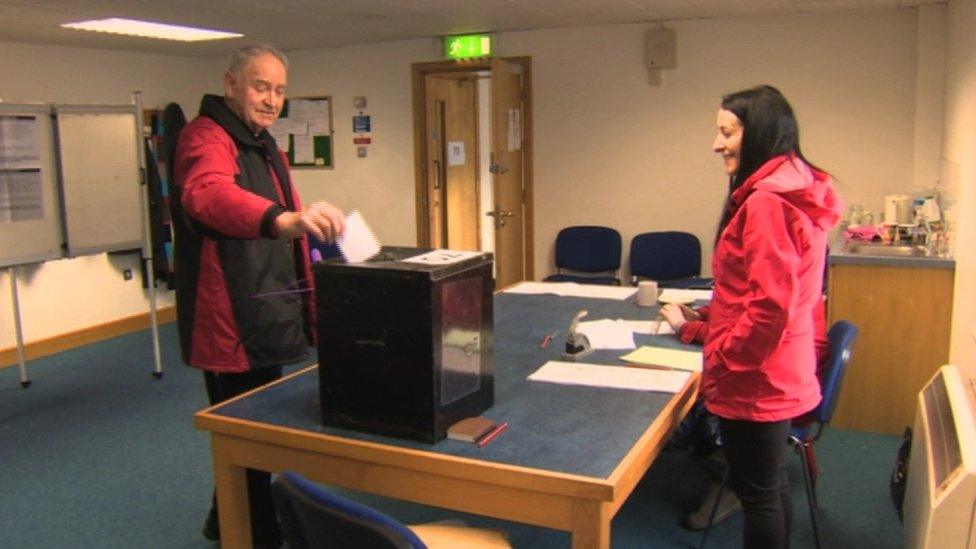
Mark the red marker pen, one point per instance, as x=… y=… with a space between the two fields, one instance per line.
x=490 y=435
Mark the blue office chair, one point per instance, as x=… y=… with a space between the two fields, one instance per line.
x=803 y=435
x=672 y=258
x=587 y=249
x=841 y=338
x=315 y=518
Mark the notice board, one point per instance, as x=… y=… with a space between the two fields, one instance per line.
x=30 y=214
x=100 y=178
x=304 y=131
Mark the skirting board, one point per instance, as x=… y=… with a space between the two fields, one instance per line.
x=84 y=336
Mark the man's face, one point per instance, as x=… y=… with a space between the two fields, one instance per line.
x=258 y=94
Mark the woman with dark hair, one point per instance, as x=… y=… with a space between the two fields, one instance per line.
x=759 y=359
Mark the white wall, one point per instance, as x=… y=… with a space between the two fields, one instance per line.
x=959 y=173
x=381 y=185
x=613 y=150
x=610 y=148
x=57 y=297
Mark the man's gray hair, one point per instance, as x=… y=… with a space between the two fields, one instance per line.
x=243 y=56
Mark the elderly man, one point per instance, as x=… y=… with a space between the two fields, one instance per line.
x=243 y=285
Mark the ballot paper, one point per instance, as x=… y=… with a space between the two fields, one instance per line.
x=441 y=257
x=651 y=327
x=666 y=358
x=572 y=289
x=672 y=295
x=357 y=243
x=613 y=377
x=607 y=334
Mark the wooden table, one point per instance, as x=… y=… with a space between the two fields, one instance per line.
x=569 y=460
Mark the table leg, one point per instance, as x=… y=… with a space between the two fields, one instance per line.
x=232 y=502
x=591 y=526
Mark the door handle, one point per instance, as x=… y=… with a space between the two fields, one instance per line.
x=499 y=216
x=438 y=174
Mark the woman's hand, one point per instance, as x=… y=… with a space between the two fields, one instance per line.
x=689 y=313
x=673 y=313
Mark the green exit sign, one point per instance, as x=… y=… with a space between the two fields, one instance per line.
x=467 y=45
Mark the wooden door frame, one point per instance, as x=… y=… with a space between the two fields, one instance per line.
x=421 y=70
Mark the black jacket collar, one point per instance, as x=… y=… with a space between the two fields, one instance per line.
x=214 y=107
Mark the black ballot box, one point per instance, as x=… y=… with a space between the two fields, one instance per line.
x=405 y=348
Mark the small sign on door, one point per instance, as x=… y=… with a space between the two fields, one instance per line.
x=455 y=153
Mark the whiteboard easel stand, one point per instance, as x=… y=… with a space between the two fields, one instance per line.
x=147 y=249
x=22 y=362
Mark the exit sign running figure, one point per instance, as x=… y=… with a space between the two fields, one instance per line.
x=467 y=46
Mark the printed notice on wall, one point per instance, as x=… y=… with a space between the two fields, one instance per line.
x=18 y=143
x=20 y=195
x=514 y=129
x=455 y=153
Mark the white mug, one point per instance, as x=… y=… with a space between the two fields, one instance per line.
x=647 y=293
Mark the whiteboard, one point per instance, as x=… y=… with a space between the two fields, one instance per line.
x=30 y=212
x=101 y=190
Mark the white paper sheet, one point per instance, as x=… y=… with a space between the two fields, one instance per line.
x=652 y=327
x=357 y=243
x=614 y=377
x=607 y=334
x=441 y=257
x=18 y=143
x=667 y=358
x=318 y=125
x=455 y=153
x=673 y=295
x=573 y=289
x=304 y=149
x=21 y=196
x=280 y=135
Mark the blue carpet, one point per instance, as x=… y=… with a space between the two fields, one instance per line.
x=98 y=453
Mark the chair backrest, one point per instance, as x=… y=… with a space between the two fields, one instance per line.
x=841 y=338
x=313 y=517
x=666 y=255
x=588 y=249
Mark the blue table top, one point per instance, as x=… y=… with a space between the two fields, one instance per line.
x=570 y=429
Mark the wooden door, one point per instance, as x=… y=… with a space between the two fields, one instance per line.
x=452 y=161
x=507 y=124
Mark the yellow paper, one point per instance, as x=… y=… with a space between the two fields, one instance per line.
x=668 y=358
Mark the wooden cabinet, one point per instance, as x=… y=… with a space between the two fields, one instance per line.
x=904 y=315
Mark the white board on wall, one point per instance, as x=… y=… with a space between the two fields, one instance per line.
x=101 y=188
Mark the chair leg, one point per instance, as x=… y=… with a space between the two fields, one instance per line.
x=811 y=456
x=711 y=516
x=811 y=496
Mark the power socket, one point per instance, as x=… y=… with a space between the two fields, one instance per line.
x=127 y=274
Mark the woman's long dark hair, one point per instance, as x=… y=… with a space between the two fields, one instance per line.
x=769 y=129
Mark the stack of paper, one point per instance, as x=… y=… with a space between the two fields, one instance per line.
x=672 y=295
x=651 y=327
x=574 y=290
x=614 y=377
x=667 y=358
x=441 y=257
x=607 y=334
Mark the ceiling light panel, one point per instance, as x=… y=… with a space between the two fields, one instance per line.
x=148 y=29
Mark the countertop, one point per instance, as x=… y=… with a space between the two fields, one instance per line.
x=839 y=256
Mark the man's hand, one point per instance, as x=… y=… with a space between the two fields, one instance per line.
x=321 y=219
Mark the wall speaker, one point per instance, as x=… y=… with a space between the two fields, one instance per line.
x=660 y=51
